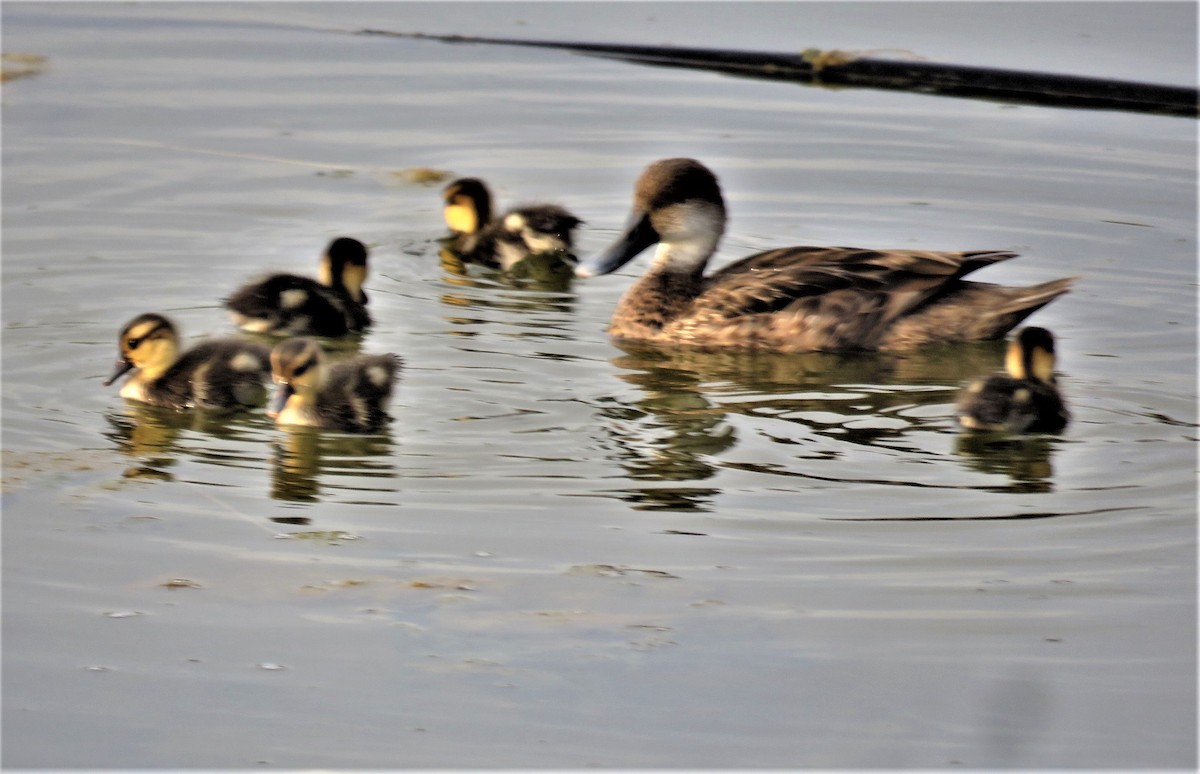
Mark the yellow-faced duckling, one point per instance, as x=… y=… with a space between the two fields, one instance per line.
x=1024 y=400
x=793 y=299
x=218 y=373
x=348 y=395
x=290 y=305
x=502 y=243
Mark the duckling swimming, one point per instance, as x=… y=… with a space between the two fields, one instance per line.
x=349 y=395
x=502 y=243
x=218 y=373
x=289 y=305
x=793 y=299
x=1026 y=399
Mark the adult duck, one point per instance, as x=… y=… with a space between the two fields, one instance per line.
x=1026 y=399
x=332 y=305
x=216 y=373
x=793 y=299
x=504 y=242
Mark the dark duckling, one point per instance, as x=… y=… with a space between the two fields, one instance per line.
x=793 y=299
x=349 y=395
x=217 y=373
x=504 y=242
x=1024 y=400
x=290 y=305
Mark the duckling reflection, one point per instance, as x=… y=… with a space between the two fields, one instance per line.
x=505 y=242
x=534 y=310
x=305 y=460
x=290 y=305
x=1026 y=460
x=538 y=272
x=153 y=435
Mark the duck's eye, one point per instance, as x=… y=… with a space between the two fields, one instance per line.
x=299 y=370
x=133 y=343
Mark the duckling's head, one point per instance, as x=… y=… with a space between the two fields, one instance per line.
x=296 y=369
x=1031 y=355
x=676 y=202
x=541 y=228
x=148 y=342
x=344 y=265
x=467 y=205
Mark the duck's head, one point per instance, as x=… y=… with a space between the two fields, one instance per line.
x=1031 y=355
x=344 y=265
x=296 y=370
x=467 y=205
x=676 y=202
x=148 y=342
x=540 y=228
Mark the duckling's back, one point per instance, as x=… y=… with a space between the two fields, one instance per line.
x=287 y=305
x=218 y=373
x=355 y=394
x=1003 y=403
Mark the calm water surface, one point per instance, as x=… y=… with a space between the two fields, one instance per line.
x=566 y=553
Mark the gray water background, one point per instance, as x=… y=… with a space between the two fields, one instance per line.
x=563 y=554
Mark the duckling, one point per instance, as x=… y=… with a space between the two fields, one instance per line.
x=793 y=299
x=502 y=243
x=289 y=305
x=217 y=373
x=349 y=395
x=1026 y=399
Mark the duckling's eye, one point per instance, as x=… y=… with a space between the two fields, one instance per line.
x=133 y=343
x=299 y=370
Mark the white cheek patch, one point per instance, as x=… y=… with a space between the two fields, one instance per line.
x=246 y=362
x=290 y=299
x=514 y=221
x=377 y=375
x=1021 y=396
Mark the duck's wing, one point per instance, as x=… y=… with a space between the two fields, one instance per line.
x=833 y=298
x=918 y=261
x=772 y=281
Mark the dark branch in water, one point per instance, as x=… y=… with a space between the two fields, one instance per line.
x=836 y=68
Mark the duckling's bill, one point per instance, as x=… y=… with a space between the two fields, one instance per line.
x=120 y=368
x=283 y=391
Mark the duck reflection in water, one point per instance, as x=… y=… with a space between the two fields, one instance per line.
x=1025 y=460
x=816 y=406
x=537 y=308
x=153 y=436
x=672 y=434
x=306 y=459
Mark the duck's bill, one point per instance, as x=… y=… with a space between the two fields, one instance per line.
x=638 y=235
x=279 y=399
x=120 y=368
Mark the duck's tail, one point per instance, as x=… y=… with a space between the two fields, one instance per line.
x=972 y=311
x=1015 y=305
